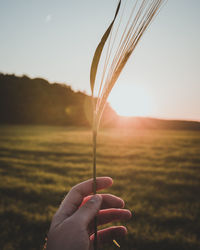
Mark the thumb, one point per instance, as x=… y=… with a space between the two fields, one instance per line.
x=89 y=210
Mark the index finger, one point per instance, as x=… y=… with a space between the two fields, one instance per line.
x=76 y=195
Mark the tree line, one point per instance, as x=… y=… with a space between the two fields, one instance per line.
x=36 y=101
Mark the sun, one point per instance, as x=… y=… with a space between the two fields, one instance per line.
x=130 y=100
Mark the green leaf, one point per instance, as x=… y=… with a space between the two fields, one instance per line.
x=97 y=54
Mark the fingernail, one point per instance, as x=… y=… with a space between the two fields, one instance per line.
x=95 y=198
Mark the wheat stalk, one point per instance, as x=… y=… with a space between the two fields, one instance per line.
x=142 y=14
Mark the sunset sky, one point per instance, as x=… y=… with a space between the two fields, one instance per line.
x=56 y=40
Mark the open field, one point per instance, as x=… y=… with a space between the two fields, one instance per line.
x=156 y=172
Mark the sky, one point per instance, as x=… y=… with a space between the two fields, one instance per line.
x=56 y=40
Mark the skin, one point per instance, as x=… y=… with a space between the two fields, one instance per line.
x=72 y=225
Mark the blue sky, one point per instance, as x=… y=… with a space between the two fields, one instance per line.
x=56 y=40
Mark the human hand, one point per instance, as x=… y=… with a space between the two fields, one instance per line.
x=72 y=226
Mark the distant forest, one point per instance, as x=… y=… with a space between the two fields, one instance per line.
x=36 y=101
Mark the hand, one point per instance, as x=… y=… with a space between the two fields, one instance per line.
x=72 y=226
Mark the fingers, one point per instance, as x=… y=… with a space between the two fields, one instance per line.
x=109 y=234
x=76 y=195
x=109 y=201
x=88 y=211
x=110 y=215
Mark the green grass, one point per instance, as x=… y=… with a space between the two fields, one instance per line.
x=156 y=172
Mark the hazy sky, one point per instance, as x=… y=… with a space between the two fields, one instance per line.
x=56 y=40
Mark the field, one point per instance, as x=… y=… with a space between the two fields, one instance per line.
x=157 y=173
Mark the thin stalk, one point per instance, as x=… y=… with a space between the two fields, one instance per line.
x=94 y=185
x=94 y=162
x=94 y=130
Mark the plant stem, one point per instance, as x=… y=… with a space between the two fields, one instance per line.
x=94 y=162
x=94 y=130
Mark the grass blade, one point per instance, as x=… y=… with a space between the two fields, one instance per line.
x=99 y=50
x=93 y=72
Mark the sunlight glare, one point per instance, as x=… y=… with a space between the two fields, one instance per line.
x=130 y=100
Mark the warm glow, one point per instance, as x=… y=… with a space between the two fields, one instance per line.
x=130 y=100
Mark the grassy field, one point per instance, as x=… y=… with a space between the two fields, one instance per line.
x=156 y=172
